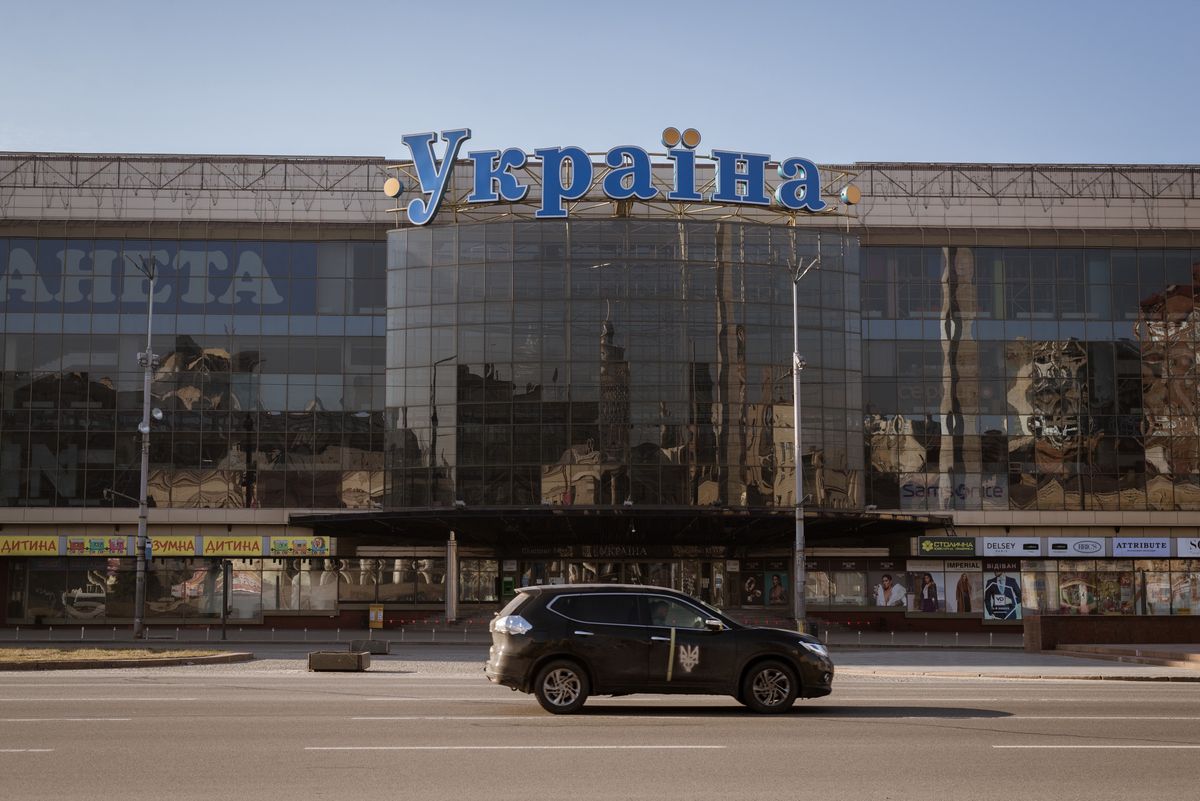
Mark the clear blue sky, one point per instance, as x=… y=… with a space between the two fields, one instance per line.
x=953 y=80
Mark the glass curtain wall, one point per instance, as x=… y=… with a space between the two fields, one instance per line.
x=1032 y=379
x=593 y=362
x=270 y=374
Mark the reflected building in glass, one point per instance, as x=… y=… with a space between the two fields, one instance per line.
x=1001 y=353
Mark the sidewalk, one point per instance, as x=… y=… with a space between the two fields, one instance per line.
x=474 y=633
x=906 y=654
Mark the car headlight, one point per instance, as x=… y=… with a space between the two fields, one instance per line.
x=815 y=647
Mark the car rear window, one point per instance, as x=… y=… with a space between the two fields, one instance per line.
x=597 y=608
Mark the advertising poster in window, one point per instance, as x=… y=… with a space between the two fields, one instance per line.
x=1002 y=591
x=1185 y=586
x=926 y=580
x=777 y=589
x=887 y=582
x=964 y=587
x=751 y=587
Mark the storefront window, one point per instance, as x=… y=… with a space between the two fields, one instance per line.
x=850 y=588
x=1152 y=587
x=397 y=581
x=182 y=588
x=357 y=580
x=478 y=580
x=1185 y=586
x=1115 y=588
x=1077 y=588
x=431 y=580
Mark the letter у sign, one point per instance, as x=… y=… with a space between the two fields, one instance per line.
x=568 y=174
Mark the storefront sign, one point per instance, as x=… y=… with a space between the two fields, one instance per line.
x=1076 y=546
x=567 y=174
x=172 y=546
x=1012 y=546
x=1141 y=546
x=233 y=546
x=99 y=546
x=299 y=546
x=967 y=565
x=1187 y=547
x=946 y=546
x=28 y=545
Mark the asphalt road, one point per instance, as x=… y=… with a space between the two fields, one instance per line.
x=427 y=725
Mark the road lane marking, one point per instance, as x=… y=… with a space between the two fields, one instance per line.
x=89 y=700
x=63 y=720
x=512 y=747
x=1097 y=747
x=25 y=750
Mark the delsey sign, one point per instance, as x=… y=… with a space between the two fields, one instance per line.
x=568 y=174
x=946 y=546
x=1076 y=546
x=1012 y=546
x=1141 y=546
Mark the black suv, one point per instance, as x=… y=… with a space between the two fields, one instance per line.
x=566 y=642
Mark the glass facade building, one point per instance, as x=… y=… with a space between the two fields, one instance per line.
x=606 y=397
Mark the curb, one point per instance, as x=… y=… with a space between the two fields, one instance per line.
x=1028 y=676
x=150 y=661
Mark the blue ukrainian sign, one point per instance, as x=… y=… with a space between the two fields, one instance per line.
x=568 y=174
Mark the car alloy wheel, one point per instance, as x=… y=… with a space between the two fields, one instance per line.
x=561 y=687
x=770 y=687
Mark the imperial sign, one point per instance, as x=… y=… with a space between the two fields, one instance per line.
x=567 y=174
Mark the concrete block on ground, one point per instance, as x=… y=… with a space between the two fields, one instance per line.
x=371 y=646
x=339 y=660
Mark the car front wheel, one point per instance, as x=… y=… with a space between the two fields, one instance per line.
x=770 y=687
x=561 y=687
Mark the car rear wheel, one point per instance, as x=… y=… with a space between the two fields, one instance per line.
x=770 y=687
x=561 y=687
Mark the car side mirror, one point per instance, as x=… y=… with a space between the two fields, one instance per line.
x=712 y=624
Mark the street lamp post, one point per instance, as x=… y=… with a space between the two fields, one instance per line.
x=148 y=361
x=799 y=568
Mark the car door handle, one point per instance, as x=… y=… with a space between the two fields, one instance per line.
x=660 y=639
x=585 y=634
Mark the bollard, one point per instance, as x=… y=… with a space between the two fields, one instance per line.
x=991 y=634
x=401 y=635
x=177 y=634
x=860 y=637
x=114 y=633
x=306 y=633
x=927 y=638
x=827 y=636
x=18 y=633
x=465 y=631
x=893 y=638
x=434 y=639
x=956 y=639
x=339 y=635
x=81 y=633
x=207 y=630
x=272 y=634
x=50 y=632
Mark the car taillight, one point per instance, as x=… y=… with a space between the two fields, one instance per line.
x=511 y=624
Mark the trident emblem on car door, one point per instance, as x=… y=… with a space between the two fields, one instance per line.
x=689 y=657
